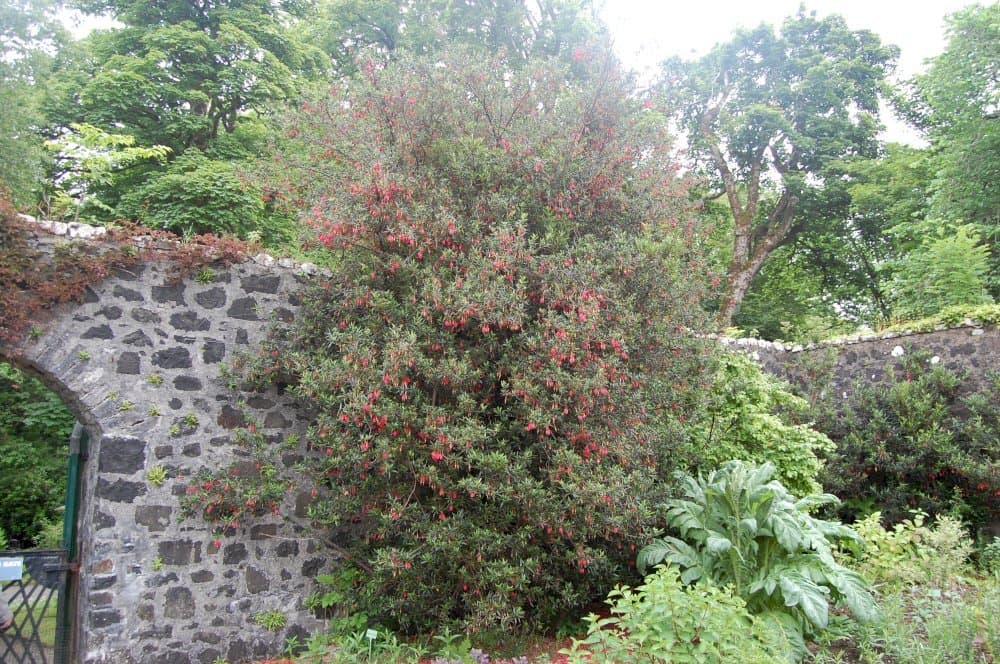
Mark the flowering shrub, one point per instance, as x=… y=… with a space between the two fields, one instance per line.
x=514 y=278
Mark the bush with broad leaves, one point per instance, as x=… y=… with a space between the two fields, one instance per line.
x=738 y=527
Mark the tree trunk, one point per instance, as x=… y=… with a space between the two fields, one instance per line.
x=751 y=247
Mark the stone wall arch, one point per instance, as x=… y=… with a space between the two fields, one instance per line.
x=141 y=363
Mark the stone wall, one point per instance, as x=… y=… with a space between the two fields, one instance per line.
x=971 y=348
x=140 y=363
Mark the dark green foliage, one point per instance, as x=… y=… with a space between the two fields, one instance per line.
x=34 y=431
x=180 y=74
x=201 y=80
x=917 y=442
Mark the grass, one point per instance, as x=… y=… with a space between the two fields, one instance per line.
x=47 y=621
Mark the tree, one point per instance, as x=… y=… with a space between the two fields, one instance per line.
x=86 y=160
x=519 y=29
x=957 y=103
x=189 y=77
x=29 y=34
x=944 y=271
x=770 y=112
x=507 y=323
x=179 y=73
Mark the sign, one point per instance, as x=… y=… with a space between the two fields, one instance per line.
x=11 y=569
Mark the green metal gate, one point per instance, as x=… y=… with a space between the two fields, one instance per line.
x=40 y=585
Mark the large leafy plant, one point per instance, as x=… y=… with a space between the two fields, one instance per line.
x=740 y=527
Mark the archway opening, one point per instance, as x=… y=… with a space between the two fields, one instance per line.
x=41 y=451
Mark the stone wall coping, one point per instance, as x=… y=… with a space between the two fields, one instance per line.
x=749 y=343
x=79 y=230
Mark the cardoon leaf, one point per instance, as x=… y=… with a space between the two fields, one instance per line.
x=798 y=590
x=787 y=530
x=718 y=545
x=651 y=555
x=854 y=590
x=748 y=526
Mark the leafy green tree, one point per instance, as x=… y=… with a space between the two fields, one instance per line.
x=519 y=29
x=957 y=103
x=842 y=271
x=770 y=112
x=86 y=160
x=187 y=76
x=489 y=354
x=788 y=299
x=29 y=33
x=180 y=73
x=34 y=429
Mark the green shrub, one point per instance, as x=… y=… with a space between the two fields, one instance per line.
x=665 y=620
x=34 y=431
x=197 y=195
x=3 y=539
x=945 y=271
x=910 y=552
x=915 y=443
x=750 y=415
x=740 y=528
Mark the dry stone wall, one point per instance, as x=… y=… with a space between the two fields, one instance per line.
x=141 y=363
